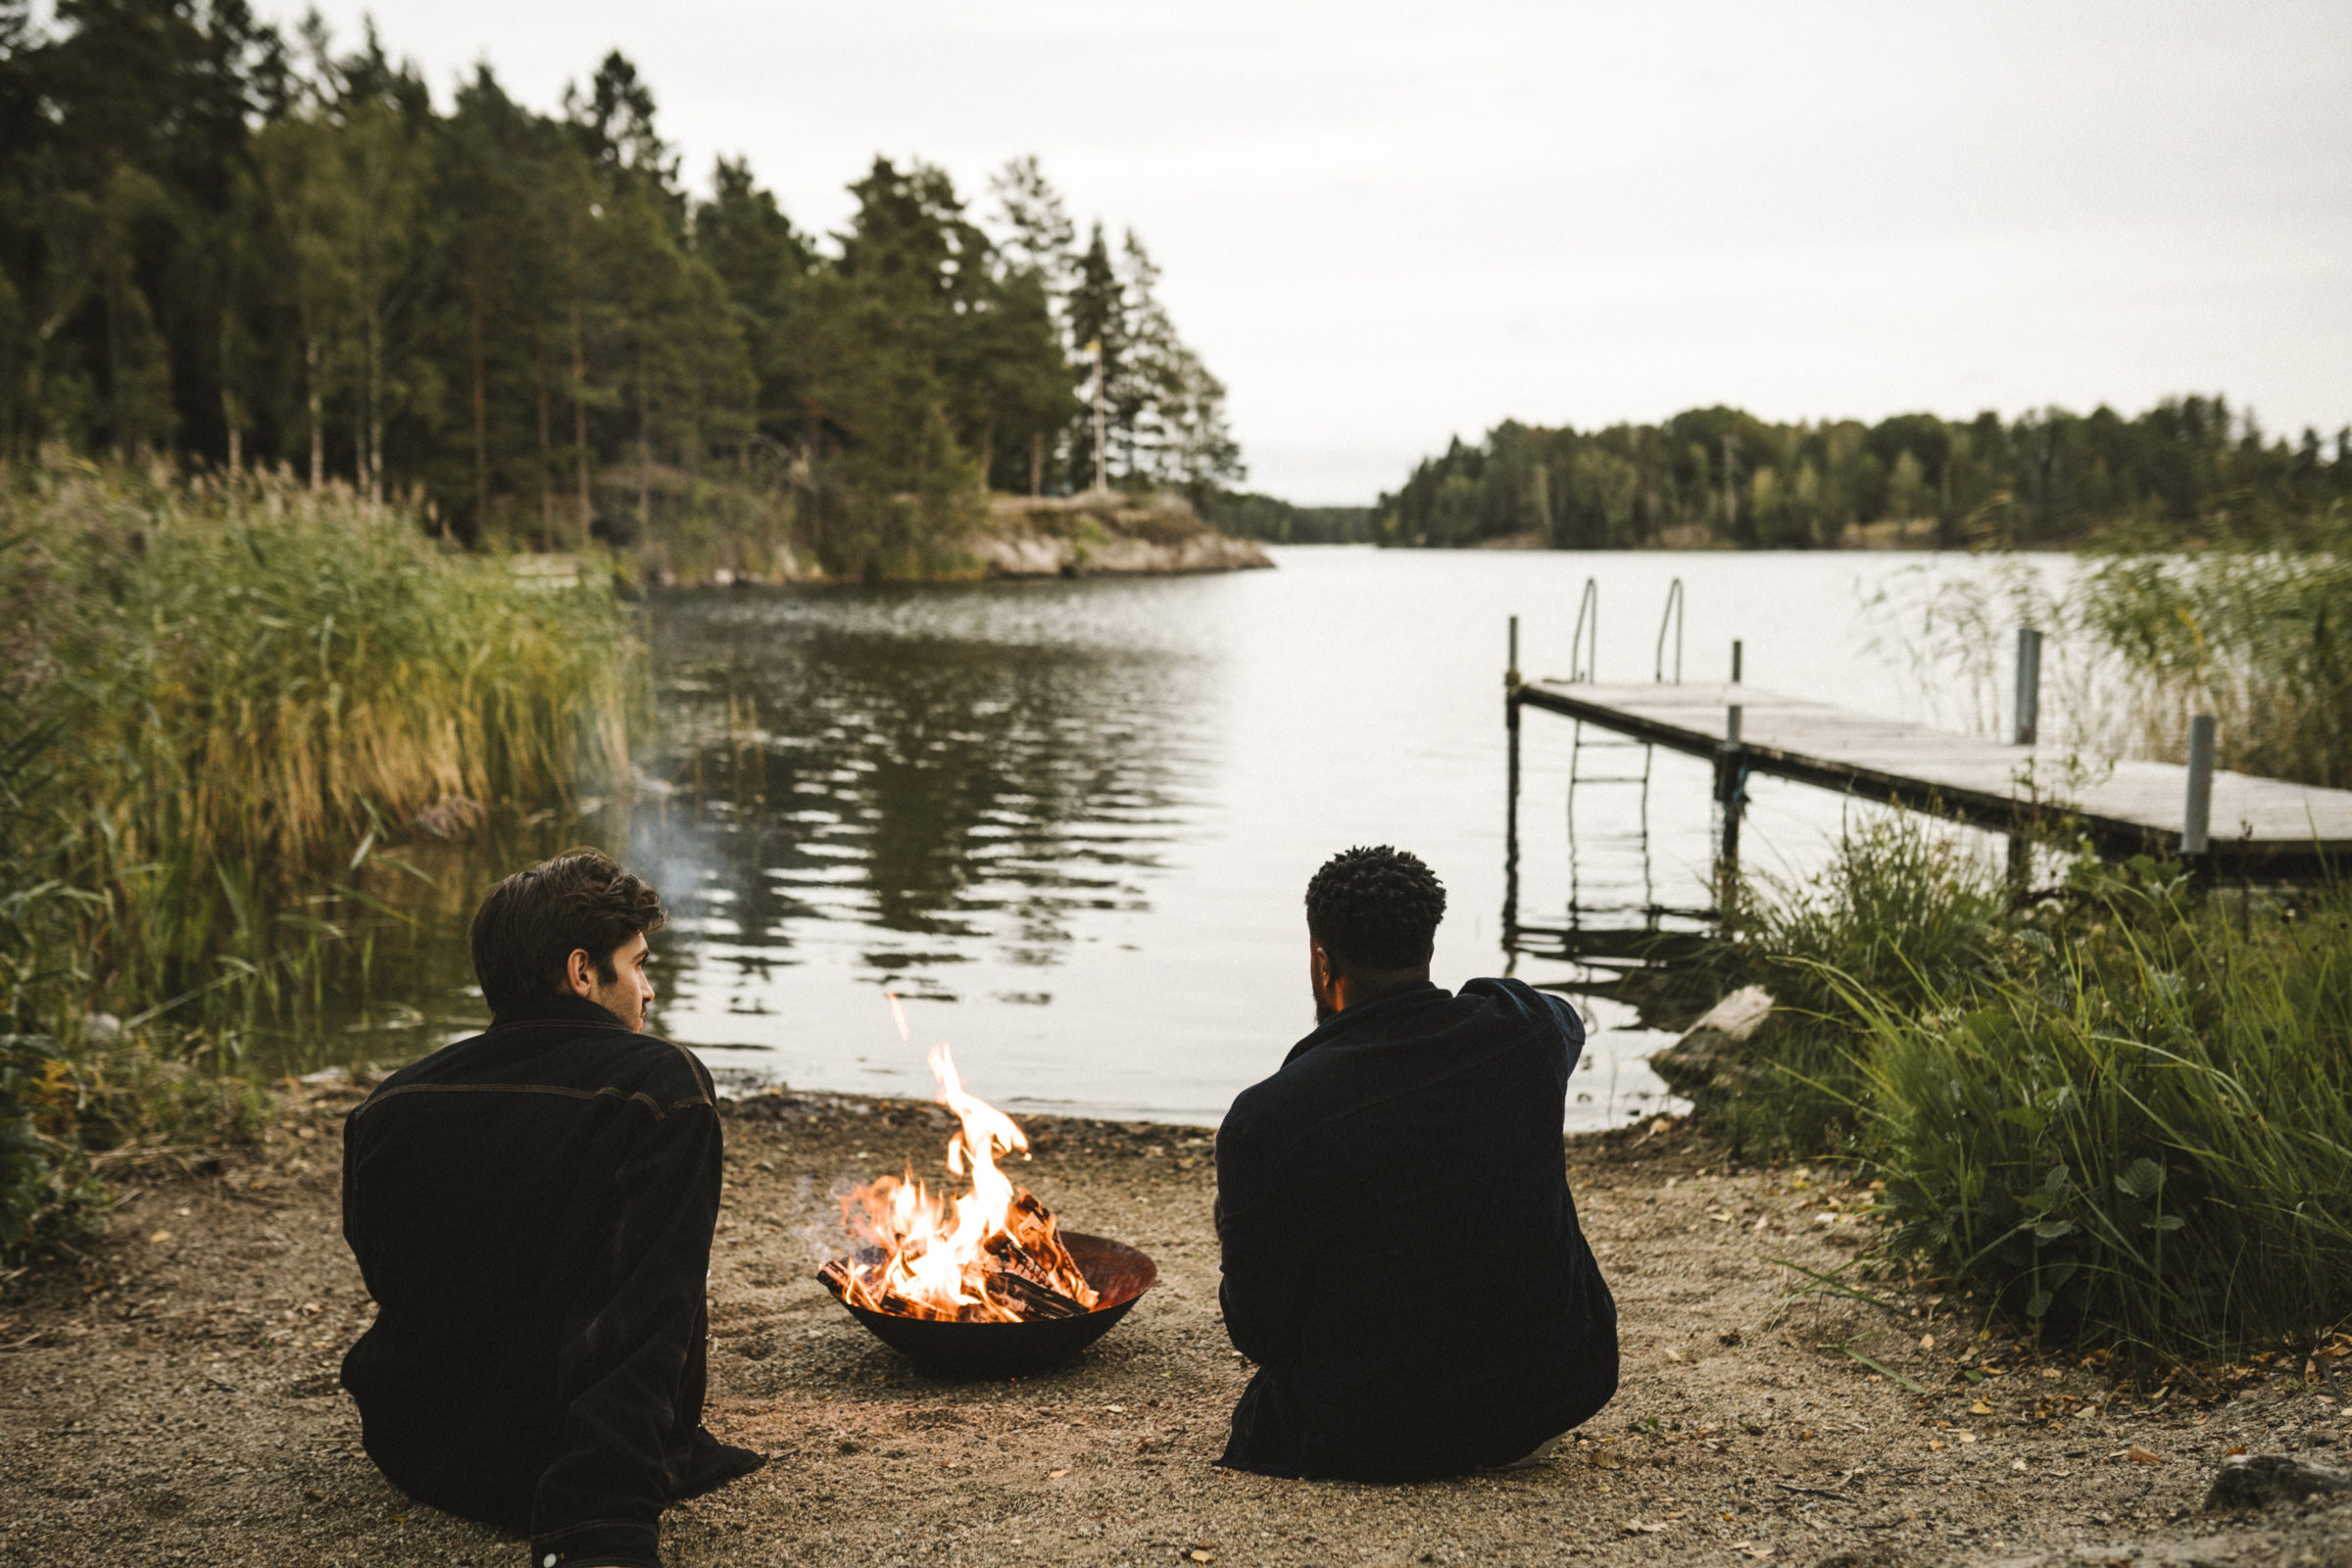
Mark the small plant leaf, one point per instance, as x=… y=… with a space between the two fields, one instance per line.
x=2141 y=1179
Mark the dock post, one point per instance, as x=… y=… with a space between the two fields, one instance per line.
x=2196 y=817
x=1511 y=820
x=1728 y=781
x=1736 y=646
x=2029 y=685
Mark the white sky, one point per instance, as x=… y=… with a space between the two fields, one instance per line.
x=1386 y=223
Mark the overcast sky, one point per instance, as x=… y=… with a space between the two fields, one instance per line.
x=1385 y=225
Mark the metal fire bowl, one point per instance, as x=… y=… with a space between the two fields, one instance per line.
x=952 y=1349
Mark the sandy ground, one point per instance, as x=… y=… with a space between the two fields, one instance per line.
x=174 y=1399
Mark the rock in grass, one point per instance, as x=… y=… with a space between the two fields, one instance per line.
x=1690 y=1062
x=2258 y=1479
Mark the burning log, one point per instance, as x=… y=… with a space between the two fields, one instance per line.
x=994 y=1254
x=1038 y=1300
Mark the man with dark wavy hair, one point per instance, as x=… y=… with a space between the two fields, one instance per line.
x=1402 y=1256
x=533 y=1209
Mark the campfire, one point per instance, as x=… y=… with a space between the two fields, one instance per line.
x=990 y=1256
x=983 y=1283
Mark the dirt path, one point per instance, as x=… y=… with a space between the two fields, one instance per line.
x=175 y=1400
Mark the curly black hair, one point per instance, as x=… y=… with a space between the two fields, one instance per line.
x=1375 y=908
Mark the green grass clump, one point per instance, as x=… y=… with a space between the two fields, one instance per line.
x=217 y=704
x=2144 y=1131
x=2120 y=1110
x=1898 y=914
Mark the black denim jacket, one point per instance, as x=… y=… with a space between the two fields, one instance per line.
x=533 y=1209
x=1402 y=1256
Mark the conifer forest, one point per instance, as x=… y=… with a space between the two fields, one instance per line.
x=227 y=245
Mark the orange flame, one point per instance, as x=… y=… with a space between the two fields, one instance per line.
x=990 y=1256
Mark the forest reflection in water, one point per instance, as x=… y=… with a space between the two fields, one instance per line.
x=915 y=784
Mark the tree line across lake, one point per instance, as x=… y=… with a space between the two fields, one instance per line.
x=2189 y=467
x=228 y=246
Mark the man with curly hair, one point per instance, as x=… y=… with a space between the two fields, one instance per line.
x=1401 y=1253
x=532 y=1210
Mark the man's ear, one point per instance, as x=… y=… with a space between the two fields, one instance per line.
x=579 y=972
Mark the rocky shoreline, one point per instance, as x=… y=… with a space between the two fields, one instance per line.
x=1091 y=536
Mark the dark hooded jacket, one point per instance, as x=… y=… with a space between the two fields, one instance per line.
x=1402 y=1255
x=532 y=1210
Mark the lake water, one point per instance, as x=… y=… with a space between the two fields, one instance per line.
x=1069 y=823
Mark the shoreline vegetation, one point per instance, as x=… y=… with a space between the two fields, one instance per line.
x=2116 y=1109
x=2116 y=1105
x=223 y=712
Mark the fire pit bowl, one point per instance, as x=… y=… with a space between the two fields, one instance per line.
x=952 y=1350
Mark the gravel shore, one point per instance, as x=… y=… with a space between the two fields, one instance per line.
x=172 y=1397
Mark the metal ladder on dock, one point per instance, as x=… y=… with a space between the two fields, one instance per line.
x=1610 y=766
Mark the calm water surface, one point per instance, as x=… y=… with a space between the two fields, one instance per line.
x=1070 y=824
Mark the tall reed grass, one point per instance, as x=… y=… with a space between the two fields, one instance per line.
x=2261 y=639
x=218 y=701
x=250 y=681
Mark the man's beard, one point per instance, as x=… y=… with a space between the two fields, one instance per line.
x=1325 y=1012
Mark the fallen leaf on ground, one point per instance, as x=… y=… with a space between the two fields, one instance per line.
x=1935 y=1443
x=1979 y=1408
x=159 y=1236
x=1634 y=1527
x=1927 y=1341
x=2139 y=1456
x=1198 y=1555
x=1056 y=1475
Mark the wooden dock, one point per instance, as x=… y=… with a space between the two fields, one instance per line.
x=2258 y=825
